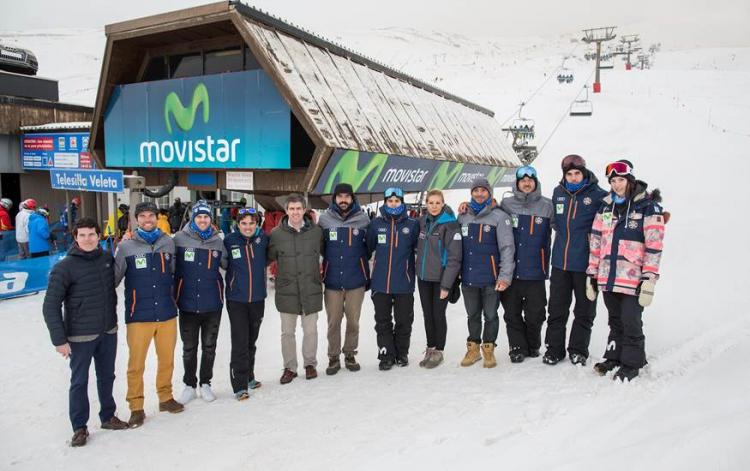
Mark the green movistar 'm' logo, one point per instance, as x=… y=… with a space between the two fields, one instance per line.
x=347 y=170
x=185 y=117
x=444 y=176
x=495 y=175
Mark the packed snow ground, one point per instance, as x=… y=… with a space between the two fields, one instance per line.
x=686 y=126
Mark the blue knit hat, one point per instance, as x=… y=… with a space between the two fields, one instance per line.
x=201 y=207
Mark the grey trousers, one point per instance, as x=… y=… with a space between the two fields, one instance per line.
x=289 y=339
x=340 y=303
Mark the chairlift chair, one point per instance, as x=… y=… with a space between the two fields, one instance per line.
x=582 y=107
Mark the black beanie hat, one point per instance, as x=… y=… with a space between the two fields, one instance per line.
x=343 y=188
x=146 y=206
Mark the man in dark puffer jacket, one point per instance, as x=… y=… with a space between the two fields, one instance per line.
x=84 y=283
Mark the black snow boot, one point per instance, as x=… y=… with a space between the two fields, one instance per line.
x=548 y=359
x=402 y=360
x=626 y=373
x=606 y=366
x=578 y=359
x=516 y=356
x=386 y=364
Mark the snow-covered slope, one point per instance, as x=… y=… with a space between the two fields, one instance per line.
x=686 y=126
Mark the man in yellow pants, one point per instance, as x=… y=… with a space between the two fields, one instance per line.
x=146 y=262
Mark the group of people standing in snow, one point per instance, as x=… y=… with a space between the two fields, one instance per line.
x=490 y=253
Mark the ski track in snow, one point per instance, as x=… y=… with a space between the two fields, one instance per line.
x=682 y=123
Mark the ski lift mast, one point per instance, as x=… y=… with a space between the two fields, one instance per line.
x=598 y=36
x=631 y=41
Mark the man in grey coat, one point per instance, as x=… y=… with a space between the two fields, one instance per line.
x=297 y=244
x=346 y=274
x=525 y=301
x=487 y=268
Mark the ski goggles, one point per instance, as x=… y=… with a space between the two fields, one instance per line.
x=573 y=161
x=394 y=191
x=526 y=171
x=248 y=212
x=243 y=211
x=618 y=168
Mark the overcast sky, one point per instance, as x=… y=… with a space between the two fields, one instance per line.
x=673 y=22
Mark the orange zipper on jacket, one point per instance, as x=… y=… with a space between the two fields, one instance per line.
x=132 y=306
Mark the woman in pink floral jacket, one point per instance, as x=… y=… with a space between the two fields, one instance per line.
x=625 y=252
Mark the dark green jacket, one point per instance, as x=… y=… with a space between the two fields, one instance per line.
x=298 y=285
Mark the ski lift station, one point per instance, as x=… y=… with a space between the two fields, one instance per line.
x=227 y=97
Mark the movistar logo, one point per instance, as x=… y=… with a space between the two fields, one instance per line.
x=445 y=176
x=185 y=117
x=494 y=175
x=347 y=170
x=186 y=149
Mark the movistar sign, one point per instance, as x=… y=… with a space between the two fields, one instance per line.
x=234 y=120
x=369 y=172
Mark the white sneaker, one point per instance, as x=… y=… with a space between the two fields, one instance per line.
x=207 y=394
x=188 y=394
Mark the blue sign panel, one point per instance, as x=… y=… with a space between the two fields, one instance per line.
x=232 y=120
x=62 y=150
x=201 y=179
x=26 y=276
x=103 y=181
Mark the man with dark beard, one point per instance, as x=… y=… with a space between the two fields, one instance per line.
x=346 y=274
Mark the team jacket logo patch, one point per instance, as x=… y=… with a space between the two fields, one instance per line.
x=405 y=230
x=538 y=220
x=587 y=201
x=632 y=224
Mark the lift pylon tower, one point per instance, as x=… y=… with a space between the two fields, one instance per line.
x=598 y=36
x=630 y=43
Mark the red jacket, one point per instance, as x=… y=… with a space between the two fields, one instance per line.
x=5 y=222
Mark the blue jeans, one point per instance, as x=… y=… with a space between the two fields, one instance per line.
x=478 y=302
x=103 y=350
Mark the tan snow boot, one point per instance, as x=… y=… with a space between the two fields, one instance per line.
x=488 y=351
x=472 y=354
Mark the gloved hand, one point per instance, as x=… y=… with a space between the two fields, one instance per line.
x=592 y=288
x=646 y=291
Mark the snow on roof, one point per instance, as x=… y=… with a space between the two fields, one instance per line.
x=77 y=125
x=353 y=106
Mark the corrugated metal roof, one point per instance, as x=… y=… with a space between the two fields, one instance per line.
x=354 y=106
x=79 y=125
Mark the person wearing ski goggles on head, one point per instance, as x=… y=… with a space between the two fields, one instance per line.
x=626 y=246
x=525 y=300
x=393 y=237
x=246 y=297
x=576 y=200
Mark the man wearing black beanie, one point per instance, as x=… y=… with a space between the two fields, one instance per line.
x=346 y=274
